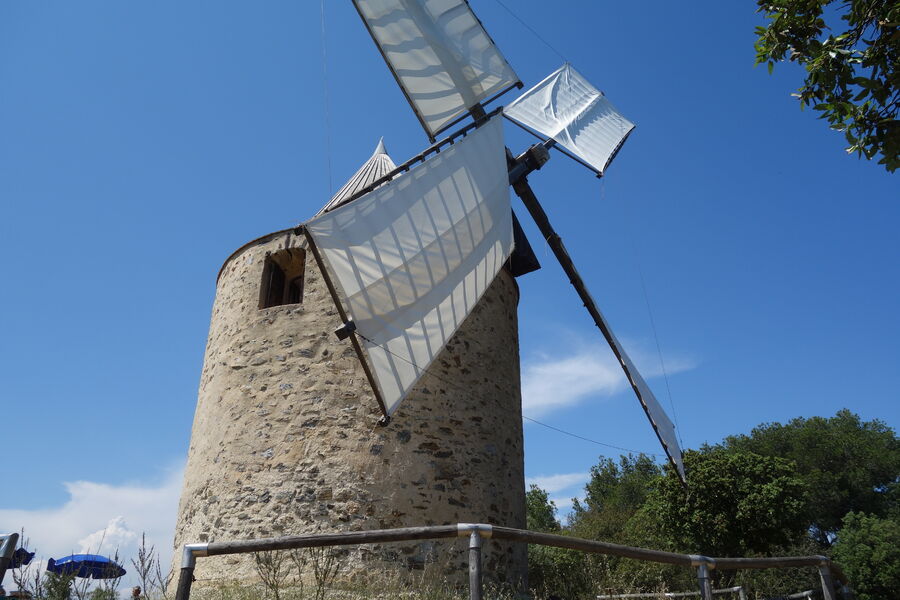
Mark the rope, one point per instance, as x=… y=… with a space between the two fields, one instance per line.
x=532 y=30
x=326 y=100
x=662 y=362
x=527 y=418
x=575 y=435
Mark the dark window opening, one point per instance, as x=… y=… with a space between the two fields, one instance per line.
x=282 y=280
x=295 y=291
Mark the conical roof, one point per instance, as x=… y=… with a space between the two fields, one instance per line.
x=378 y=165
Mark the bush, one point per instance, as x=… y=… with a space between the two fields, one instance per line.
x=868 y=549
x=558 y=572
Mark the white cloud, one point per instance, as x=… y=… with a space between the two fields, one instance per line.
x=115 y=514
x=562 y=489
x=564 y=505
x=116 y=535
x=559 y=482
x=552 y=383
x=558 y=383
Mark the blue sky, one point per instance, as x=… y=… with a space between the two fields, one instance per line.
x=141 y=143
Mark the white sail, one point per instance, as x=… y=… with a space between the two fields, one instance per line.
x=440 y=55
x=568 y=109
x=412 y=258
x=664 y=428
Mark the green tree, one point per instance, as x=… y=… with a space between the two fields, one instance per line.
x=645 y=529
x=102 y=593
x=615 y=491
x=612 y=511
x=776 y=583
x=851 y=52
x=847 y=464
x=551 y=571
x=558 y=572
x=868 y=548
x=737 y=504
x=57 y=586
x=540 y=511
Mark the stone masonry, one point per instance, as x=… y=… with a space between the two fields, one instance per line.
x=285 y=439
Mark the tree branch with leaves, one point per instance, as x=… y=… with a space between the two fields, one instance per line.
x=851 y=52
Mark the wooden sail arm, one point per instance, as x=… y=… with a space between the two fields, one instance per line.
x=520 y=167
x=348 y=328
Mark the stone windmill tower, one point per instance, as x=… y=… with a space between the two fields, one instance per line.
x=413 y=268
x=285 y=439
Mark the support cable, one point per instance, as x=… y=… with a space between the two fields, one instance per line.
x=326 y=99
x=575 y=435
x=662 y=362
x=532 y=30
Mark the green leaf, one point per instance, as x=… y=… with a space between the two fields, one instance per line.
x=847 y=62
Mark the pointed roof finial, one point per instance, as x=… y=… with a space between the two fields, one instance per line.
x=380 y=149
x=378 y=165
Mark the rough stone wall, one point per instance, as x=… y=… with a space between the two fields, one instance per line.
x=285 y=439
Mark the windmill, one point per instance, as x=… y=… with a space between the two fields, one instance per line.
x=407 y=256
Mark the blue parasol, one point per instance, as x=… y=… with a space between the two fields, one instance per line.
x=20 y=557
x=93 y=566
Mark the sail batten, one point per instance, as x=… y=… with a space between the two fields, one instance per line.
x=582 y=120
x=412 y=258
x=440 y=54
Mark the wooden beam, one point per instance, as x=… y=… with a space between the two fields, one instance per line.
x=349 y=538
x=519 y=169
x=354 y=340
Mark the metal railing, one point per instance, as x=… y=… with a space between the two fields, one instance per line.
x=797 y=596
x=738 y=589
x=478 y=532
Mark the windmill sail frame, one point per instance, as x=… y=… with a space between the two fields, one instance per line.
x=354 y=341
x=569 y=109
x=452 y=67
x=446 y=65
x=556 y=145
x=519 y=168
x=409 y=261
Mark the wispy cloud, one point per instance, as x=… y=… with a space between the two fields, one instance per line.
x=564 y=504
x=550 y=383
x=559 y=482
x=115 y=515
x=562 y=488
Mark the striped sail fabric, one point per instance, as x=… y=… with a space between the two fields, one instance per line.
x=412 y=258
x=440 y=54
x=568 y=109
x=378 y=165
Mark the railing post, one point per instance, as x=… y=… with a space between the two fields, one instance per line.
x=827 y=582
x=704 y=565
x=847 y=592
x=475 y=532
x=8 y=544
x=188 y=563
x=742 y=594
x=475 y=566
